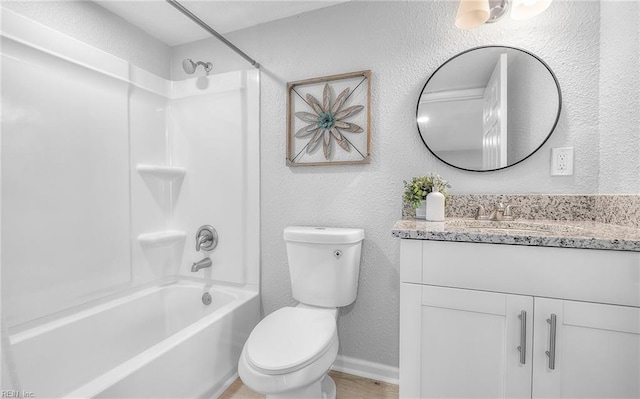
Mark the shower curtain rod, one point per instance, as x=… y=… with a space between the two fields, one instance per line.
x=209 y=29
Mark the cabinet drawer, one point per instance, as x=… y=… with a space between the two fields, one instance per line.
x=577 y=274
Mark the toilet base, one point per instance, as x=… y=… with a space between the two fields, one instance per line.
x=321 y=389
x=328 y=388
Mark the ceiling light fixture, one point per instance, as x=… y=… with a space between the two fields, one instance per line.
x=473 y=13
x=524 y=9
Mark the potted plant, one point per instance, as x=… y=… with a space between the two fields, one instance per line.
x=416 y=190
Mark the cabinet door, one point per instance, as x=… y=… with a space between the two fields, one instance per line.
x=597 y=350
x=469 y=344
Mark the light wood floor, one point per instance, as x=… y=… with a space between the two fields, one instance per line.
x=348 y=387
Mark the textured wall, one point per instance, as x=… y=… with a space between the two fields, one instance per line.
x=92 y=24
x=402 y=43
x=620 y=97
x=537 y=92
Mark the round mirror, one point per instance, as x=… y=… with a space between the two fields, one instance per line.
x=488 y=108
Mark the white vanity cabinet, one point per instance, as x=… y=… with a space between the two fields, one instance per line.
x=464 y=344
x=597 y=350
x=475 y=321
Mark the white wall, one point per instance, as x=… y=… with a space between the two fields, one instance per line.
x=92 y=24
x=620 y=97
x=402 y=43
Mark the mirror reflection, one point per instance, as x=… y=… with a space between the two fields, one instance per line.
x=488 y=108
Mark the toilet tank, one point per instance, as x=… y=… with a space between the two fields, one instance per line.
x=324 y=263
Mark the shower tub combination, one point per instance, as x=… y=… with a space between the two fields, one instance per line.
x=109 y=306
x=156 y=342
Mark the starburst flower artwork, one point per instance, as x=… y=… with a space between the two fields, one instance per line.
x=328 y=120
x=332 y=111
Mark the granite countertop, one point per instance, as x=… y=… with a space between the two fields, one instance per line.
x=545 y=233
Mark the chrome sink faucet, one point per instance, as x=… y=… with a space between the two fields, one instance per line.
x=482 y=215
x=497 y=213
x=508 y=212
x=502 y=213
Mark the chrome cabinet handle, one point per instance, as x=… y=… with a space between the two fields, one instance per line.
x=523 y=336
x=551 y=353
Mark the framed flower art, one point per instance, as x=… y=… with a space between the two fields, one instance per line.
x=328 y=120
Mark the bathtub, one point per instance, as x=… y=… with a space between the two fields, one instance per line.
x=155 y=342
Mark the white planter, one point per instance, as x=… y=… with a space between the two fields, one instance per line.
x=421 y=211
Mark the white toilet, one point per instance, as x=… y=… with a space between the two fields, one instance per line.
x=289 y=353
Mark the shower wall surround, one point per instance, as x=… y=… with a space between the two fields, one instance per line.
x=403 y=43
x=84 y=213
x=65 y=197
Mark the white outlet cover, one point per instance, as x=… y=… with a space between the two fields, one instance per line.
x=560 y=166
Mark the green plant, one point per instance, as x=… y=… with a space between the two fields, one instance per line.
x=417 y=189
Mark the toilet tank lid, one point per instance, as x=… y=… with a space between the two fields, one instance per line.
x=323 y=235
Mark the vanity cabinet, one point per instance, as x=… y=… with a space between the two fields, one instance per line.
x=468 y=344
x=597 y=350
x=477 y=320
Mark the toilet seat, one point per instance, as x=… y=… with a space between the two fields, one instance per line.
x=290 y=339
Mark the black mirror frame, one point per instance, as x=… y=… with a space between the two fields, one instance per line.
x=555 y=123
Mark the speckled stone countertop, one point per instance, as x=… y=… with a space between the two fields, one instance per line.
x=545 y=233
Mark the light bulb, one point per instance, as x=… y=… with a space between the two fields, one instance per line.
x=525 y=9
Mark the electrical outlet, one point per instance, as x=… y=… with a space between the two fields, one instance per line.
x=562 y=161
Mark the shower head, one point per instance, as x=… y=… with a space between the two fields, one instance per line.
x=190 y=67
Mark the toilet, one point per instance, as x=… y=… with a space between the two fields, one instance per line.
x=289 y=353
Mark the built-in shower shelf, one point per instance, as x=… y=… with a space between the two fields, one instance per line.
x=162 y=238
x=162 y=172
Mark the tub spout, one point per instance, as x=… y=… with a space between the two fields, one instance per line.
x=204 y=263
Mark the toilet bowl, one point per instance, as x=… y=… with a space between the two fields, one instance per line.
x=289 y=353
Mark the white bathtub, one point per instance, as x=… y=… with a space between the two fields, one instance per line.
x=156 y=342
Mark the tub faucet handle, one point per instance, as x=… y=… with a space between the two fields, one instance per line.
x=206 y=238
x=202 y=239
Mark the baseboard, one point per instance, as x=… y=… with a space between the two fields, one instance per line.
x=367 y=369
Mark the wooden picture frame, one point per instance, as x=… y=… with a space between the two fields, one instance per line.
x=329 y=120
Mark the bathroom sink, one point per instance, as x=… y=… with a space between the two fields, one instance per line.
x=510 y=230
x=514 y=226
